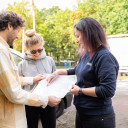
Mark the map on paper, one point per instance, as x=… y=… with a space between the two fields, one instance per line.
x=59 y=87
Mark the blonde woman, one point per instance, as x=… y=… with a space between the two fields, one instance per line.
x=36 y=62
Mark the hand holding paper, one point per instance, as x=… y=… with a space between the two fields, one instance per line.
x=59 y=87
x=38 y=78
x=53 y=101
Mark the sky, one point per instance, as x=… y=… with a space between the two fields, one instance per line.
x=63 y=4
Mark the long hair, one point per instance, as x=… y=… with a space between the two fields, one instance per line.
x=92 y=33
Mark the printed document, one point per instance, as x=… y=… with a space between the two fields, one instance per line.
x=59 y=87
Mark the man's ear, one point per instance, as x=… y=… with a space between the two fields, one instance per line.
x=10 y=28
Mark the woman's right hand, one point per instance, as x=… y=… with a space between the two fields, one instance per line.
x=51 y=77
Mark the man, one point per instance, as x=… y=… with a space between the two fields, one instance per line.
x=12 y=97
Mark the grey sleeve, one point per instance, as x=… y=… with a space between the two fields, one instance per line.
x=53 y=65
x=20 y=69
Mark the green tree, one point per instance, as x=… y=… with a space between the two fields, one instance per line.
x=57 y=26
x=61 y=35
x=54 y=26
x=44 y=26
x=113 y=16
x=89 y=7
x=24 y=10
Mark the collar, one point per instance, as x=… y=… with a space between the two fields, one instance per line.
x=2 y=41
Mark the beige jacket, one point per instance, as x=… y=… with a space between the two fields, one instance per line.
x=12 y=96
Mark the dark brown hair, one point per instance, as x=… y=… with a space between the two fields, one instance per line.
x=12 y=18
x=93 y=34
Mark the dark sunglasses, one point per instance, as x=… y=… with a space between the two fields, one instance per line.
x=35 y=51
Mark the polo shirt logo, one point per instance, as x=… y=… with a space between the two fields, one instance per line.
x=90 y=64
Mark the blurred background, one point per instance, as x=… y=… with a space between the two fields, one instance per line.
x=55 y=19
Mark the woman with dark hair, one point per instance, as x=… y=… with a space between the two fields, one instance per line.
x=96 y=73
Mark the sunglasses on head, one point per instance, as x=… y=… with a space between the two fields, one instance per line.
x=35 y=51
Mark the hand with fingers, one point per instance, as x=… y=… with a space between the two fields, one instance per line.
x=75 y=89
x=53 y=101
x=38 y=78
x=51 y=78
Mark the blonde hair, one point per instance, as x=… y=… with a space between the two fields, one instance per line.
x=32 y=38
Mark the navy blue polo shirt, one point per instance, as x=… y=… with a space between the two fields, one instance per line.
x=101 y=72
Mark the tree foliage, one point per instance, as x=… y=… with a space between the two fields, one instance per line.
x=24 y=10
x=57 y=26
x=113 y=16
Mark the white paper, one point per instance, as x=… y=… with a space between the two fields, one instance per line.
x=59 y=87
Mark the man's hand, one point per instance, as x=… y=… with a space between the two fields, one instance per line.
x=53 y=101
x=38 y=78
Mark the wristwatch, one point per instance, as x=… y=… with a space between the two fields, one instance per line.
x=80 y=92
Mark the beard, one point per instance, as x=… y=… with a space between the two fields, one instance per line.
x=10 y=39
x=10 y=42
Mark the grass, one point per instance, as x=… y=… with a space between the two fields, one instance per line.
x=122 y=78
